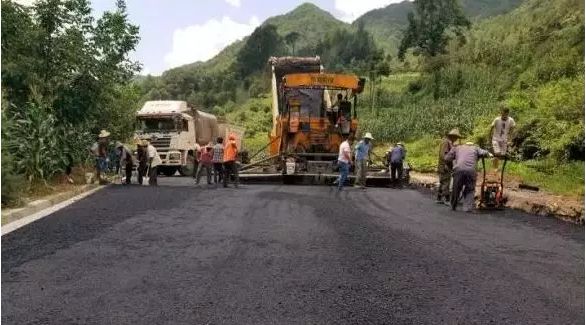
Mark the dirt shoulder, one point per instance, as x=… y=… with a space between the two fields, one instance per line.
x=540 y=203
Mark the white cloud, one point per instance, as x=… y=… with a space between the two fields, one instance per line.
x=352 y=9
x=201 y=42
x=233 y=3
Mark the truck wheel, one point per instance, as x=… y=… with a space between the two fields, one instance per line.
x=169 y=171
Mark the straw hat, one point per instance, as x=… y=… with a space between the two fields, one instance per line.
x=368 y=136
x=455 y=133
x=400 y=143
x=104 y=134
x=119 y=144
x=470 y=143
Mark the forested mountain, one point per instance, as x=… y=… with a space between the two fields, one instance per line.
x=386 y=24
x=367 y=46
x=235 y=74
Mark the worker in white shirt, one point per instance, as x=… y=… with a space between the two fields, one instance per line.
x=500 y=130
x=344 y=161
x=154 y=160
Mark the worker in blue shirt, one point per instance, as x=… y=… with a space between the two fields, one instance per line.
x=362 y=157
x=396 y=156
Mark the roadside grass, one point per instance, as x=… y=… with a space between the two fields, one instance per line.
x=57 y=184
x=560 y=179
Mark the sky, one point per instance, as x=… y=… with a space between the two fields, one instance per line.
x=178 y=32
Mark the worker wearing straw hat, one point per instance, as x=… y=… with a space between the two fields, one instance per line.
x=100 y=151
x=444 y=167
x=362 y=156
x=142 y=157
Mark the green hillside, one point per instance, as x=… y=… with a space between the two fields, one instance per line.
x=386 y=24
x=236 y=73
x=531 y=59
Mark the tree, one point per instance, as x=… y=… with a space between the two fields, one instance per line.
x=64 y=76
x=291 y=39
x=431 y=25
x=262 y=44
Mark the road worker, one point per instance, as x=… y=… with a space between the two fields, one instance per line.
x=362 y=157
x=444 y=168
x=218 y=160
x=344 y=161
x=205 y=164
x=396 y=156
x=100 y=151
x=465 y=158
x=502 y=127
x=125 y=160
x=154 y=160
x=142 y=157
x=230 y=161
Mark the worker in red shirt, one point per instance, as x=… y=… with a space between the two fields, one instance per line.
x=205 y=162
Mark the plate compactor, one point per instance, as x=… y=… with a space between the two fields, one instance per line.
x=492 y=191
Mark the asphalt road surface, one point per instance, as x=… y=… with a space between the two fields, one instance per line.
x=269 y=254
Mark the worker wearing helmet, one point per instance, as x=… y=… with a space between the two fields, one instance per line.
x=230 y=157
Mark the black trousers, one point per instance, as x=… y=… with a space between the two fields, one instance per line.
x=218 y=172
x=128 y=168
x=230 y=168
x=195 y=167
x=396 y=171
x=464 y=183
x=153 y=173
x=141 y=171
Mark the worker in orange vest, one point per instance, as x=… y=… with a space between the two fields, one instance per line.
x=230 y=157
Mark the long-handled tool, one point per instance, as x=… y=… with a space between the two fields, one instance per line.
x=146 y=178
x=491 y=191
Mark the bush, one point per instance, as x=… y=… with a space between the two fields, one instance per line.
x=13 y=184
x=39 y=147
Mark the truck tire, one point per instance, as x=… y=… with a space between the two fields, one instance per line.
x=169 y=171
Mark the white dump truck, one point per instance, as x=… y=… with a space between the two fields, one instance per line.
x=176 y=128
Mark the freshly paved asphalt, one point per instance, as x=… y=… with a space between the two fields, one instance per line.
x=268 y=254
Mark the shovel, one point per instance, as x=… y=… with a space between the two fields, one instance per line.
x=145 y=179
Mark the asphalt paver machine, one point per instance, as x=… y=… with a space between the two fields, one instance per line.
x=312 y=111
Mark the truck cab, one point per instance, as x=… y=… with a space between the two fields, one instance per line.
x=175 y=129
